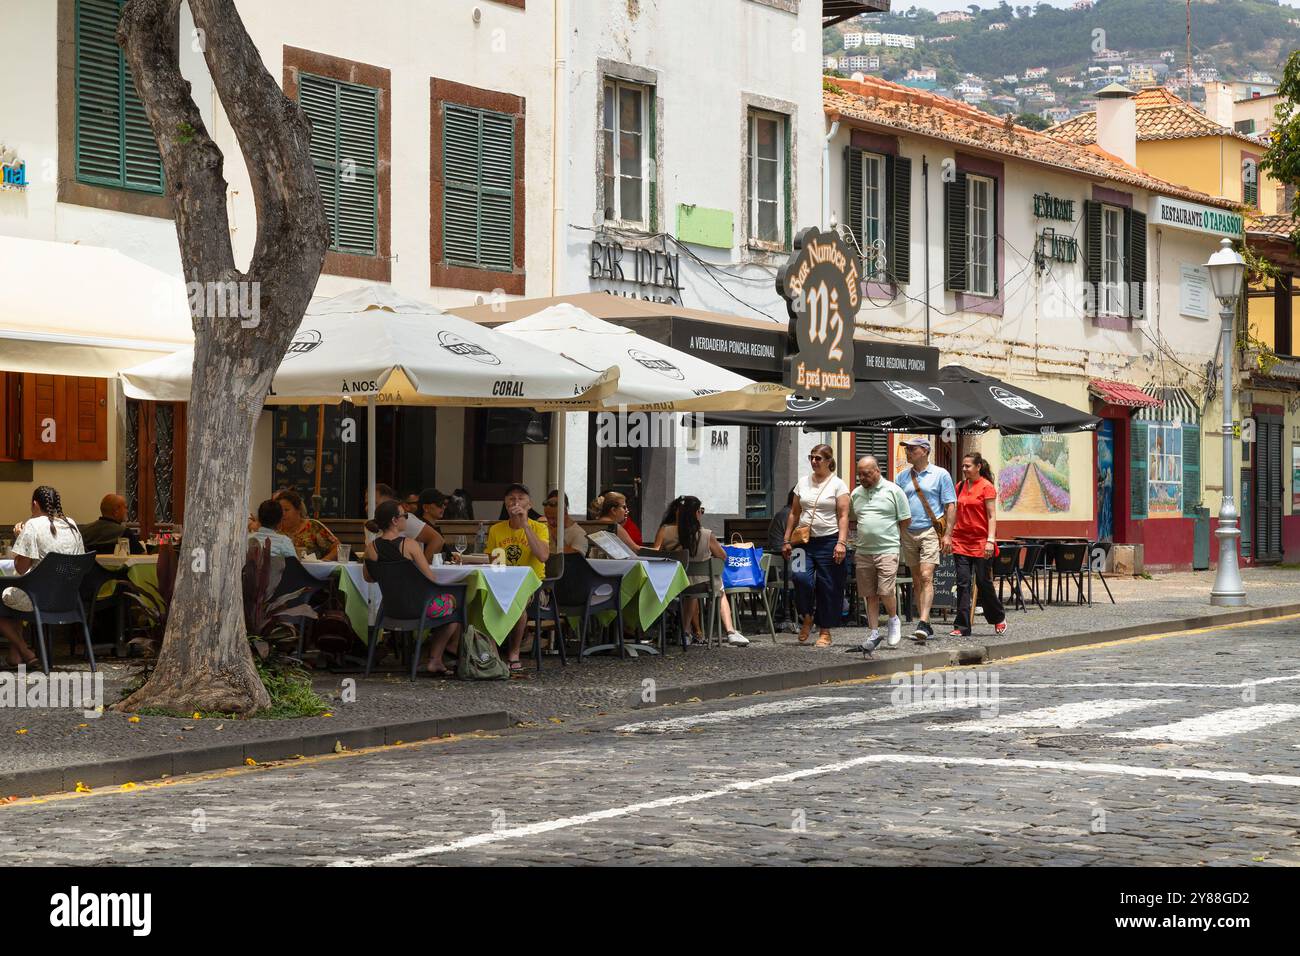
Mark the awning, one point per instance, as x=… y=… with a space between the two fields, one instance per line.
x=1011 y=409
x=69 y=309
x=1122 y=393
x=875 y=406
x=1176 y=405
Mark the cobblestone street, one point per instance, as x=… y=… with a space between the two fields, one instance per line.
x=1178 y=750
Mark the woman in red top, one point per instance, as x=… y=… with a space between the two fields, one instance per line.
x=974 y=545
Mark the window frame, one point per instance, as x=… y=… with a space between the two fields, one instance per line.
x=989 y=260
x=610 y=154
x=879 y=161
x=753 y=116
x=481 y=190
x=1113 y=292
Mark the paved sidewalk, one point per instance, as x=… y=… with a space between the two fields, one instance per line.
x=599 y=686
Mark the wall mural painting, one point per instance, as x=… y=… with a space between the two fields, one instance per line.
x=1035 y=475
x=1164 y=470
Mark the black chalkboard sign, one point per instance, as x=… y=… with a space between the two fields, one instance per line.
x=945 y=583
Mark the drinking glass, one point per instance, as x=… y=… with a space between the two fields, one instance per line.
x=461 y=544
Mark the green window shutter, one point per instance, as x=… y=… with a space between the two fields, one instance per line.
x=345 y=156
x=955 y=234
x=652 y=133
x=787 y=137
x=1191 y=468
x=994 y=237
x=478 y=193
x=1137 y=469
x=898 y=227
x=1135 y=263
x=1092 y=262
x=853 y=192
x=114 y=143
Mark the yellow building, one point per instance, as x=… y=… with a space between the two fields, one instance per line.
x=1180 y=144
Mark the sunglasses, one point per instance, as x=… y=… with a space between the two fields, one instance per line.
x=550 y=504
x=816 y=458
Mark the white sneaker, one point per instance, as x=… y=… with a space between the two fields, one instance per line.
x=895 y=631
x=736 y=639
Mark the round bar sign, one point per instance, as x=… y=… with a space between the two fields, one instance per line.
x=820 y=284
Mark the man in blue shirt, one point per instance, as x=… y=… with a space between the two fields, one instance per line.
x=932 y=499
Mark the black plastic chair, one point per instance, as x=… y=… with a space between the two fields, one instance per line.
x=91 y=585
x=1032 y=556
x=581 y=589
x=54 y=588
x=404 y=594
x=1097 y=552
x=293 y=578
x=553 y=571
x=1005 y=571
x=1069 y=562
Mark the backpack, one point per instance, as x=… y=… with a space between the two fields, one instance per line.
x=478 y=658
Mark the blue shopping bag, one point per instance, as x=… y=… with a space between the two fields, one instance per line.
x=742 y=568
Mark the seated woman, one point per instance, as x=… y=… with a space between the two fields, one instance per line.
x=625 y=522
x=432 y=509
x=392 y=545
x=47 y=531
x=575 y=539
x=684 y=531
x=611 y=509
x=307 y=534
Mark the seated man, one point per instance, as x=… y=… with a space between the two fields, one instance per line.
x=519 y=541
x=101 y=536
x=269 y=516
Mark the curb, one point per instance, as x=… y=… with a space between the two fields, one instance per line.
x=786 y=680
x=107 y=773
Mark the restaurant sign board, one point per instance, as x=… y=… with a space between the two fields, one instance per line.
x=820 y=283
x=1194 y=217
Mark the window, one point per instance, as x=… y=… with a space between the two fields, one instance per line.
x=768 y=176
x=980 y=215
x=873 y=210
x=478 y=199
x=53 y=417
x=1250 y=182
x=1112 y=289
x=878 y=207
x=627 y=127
x=114 y=144
x=1246 y=126
x=345 y=154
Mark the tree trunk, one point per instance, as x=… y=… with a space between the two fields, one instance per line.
x=205 y=662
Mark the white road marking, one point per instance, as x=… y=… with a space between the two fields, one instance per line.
x=899 y=711
x=1061 y=716
x=993 y=763
x=1222 y=723
x=1240 y=685
x=670 y=724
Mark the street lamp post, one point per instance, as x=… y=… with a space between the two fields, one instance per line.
x=1227 y=270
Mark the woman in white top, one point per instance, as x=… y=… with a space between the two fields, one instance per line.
x=821 y=511
x=47 y=531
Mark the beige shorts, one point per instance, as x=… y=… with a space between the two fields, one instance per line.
x=920 y=548
x=876 y=573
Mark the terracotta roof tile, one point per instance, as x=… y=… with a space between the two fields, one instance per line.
x=1121 y=393
x=896 y=108
x=1160 y=115
x=1273 y=227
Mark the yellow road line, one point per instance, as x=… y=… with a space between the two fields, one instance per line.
x=208 y=776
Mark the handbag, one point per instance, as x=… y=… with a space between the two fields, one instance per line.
x=742 y=565
x=939 y=524
x=802 y=533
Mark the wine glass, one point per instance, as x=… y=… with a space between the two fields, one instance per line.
x=460 y=545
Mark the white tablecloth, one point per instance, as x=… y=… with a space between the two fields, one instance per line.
x=660 y=571
x=503 y=581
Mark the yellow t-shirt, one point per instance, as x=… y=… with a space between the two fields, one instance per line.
x=514 y=543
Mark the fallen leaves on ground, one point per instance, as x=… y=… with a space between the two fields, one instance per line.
x=82 y=788
x=21 y=730
x=250 y=761
x=133 y=719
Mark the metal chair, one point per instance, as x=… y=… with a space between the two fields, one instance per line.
x=1006 y=567
x=581 y=589
x=404 y=594
x=704 y=592
x=91 y=586
x=757 y=593
x=54 y=588
x=552 y=573
x=1097 y=552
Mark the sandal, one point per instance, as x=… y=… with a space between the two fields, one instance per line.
x=805 y=632
x=515 y=666
x=823 y=639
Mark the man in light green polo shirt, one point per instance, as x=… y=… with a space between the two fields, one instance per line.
x=881 y=511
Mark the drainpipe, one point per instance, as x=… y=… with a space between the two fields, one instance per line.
x=559 y=183
x=925 y=230
x=826 y=175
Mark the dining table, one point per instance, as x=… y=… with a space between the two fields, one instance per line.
x=647 y=586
